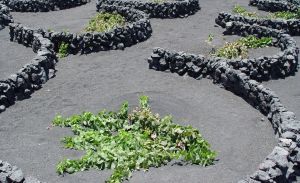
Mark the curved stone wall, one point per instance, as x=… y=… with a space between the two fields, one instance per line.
x=41 y=5
x=167 y=9
x=274 y=5
x=137 y=30
x=280 y=65
x=283 y=163
x=30 y=77
x=5 y=17
x=291 y=27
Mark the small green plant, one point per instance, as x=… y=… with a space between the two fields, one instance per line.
x=239 y=48
x=63 y=50
x=243 y=12
x=281 y=14
x=210 y=38
x=254 y=42
x=232 y=50
x=129 y=142
x=158 y=1
x=286 y=15
x=104 y=22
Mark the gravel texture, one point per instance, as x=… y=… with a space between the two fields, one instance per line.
x=236 y=131
x=12 y=56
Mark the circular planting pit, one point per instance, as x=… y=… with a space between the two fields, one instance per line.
x=137 y=29
x=228 y=136
x=158 y=8
x=285 y=19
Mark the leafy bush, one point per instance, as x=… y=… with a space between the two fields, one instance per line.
x=232 y=50
x=281 y=14
x=128 y=142
x=254 y=42
x=243 y=12
x=286 y=15
x=159 y=1
x=63 y=50
x=239 y=48
x=104 y=22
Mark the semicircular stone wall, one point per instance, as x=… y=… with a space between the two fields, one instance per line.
x=137 y=29
x=41 y=5
x=163 y=9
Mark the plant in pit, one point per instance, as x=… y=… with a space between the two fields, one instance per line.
x=104 y=22
x=63 y=49
x=158 y=1
x=285 y=15
x=243 y=12
x=280 y=14
x=130 y=142
x=239 y=48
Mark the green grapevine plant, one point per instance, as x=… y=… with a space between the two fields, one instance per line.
x=104 y=22
x=239 y=48
x=127 y=142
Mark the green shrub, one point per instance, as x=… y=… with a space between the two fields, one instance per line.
x=104 y=22
x=63 y=50
x=286 y=15
x=254 y=42
x=128 y=142
x=239 y=48
x=243 y=12
x=281 y=14
x=159 y=1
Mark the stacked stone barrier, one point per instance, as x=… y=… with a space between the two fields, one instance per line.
x=283 y=163
x=291 y=27
x=13 y=174
x=138 y=29
x=164 y=9
x=5 y=17
x=275 y=5
x=41 y=5
x=262 y=68
x=31 y=76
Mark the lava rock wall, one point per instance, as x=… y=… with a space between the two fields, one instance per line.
x=137 y=30
x=168 y=9
x=5 y=17
x=41 y=5
x=30 y=77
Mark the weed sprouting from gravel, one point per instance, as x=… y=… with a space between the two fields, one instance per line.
x=127 y=142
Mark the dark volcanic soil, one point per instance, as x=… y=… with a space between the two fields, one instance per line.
x=288 y=89
x=12 y=56
x=105 y=79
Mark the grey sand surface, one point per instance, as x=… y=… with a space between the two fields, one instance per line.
x=105 y=79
